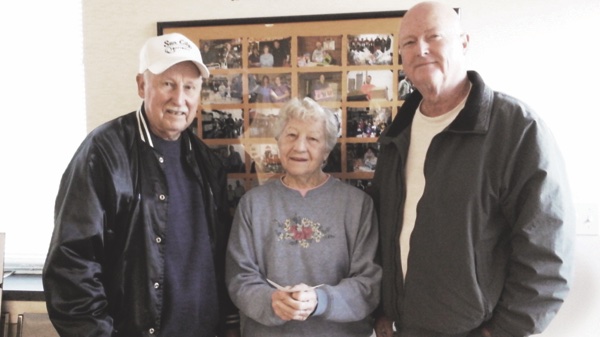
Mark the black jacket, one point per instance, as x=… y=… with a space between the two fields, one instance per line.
x=105 y=265
x=493 y=237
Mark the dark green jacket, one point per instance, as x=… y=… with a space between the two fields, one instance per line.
x=493 y=238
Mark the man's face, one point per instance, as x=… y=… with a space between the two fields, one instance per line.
x=171 y=98
x=432 y=48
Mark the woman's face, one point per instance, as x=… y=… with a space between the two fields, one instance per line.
x=302 y=147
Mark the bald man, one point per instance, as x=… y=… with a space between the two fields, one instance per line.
x=472 y=196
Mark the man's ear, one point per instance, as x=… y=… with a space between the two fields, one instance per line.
x=141 y=84
x=465 y=40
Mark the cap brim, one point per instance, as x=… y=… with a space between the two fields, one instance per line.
x=159 y=68
x=203 y=69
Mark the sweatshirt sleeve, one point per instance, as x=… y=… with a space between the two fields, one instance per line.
x=357 y=295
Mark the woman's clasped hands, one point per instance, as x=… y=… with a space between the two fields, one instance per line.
x=294 y=303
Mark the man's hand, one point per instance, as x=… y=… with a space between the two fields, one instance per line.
x=232 y=333
x=384 y=327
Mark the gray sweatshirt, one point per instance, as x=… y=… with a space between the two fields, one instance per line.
x=327 y=237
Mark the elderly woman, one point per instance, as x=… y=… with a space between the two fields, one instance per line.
x=301 y=250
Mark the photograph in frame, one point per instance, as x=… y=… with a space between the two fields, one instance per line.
x=405 y=88
x=269 y=52
x=222 y=53
x=367 y=122
x=269 y=87
x=232 y=156
x=222 y=123
x=362 y=184
x=222 y=89
x=262 y=122
x=369 y=85
x=370 y=49
x=320 y=86
x=319 y=51
x=265 y=158
x=362 y=157
x=236 y=188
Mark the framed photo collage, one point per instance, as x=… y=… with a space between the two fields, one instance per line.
x=347 y=62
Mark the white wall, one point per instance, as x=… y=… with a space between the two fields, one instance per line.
x=542 y=51
x=42 y=116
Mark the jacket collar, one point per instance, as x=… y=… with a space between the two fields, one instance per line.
x=473 y=118
x=142 y=123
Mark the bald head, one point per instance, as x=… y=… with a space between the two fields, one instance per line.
x=433 y=49
x=428 y=15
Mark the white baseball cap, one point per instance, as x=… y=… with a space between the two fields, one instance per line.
x=163 y=51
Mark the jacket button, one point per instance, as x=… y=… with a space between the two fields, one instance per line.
x=161 y=159
x=151 y=331
x=156 y=285
x=162 y=197
x=158 y=239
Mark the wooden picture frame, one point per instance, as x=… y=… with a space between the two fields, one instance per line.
x=329 y=58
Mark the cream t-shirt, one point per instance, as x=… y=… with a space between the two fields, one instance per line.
x=423 y=130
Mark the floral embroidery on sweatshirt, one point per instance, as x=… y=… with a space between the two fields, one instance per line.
x=302 y=231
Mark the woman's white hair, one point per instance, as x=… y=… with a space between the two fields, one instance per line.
x=308 y=109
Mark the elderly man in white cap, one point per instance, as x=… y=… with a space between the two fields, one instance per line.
x=141 y=216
